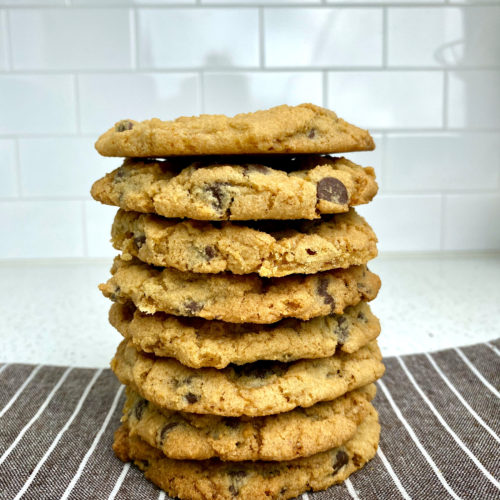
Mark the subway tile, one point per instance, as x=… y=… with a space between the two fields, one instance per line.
x=4 y=64
x=106 y=99
x=37 y=104
x=261 y=2
x=405 y=222
x=123 y=3
x=8 y=169
x=70 y=39
x=474 y=99
x=471 y=222
x=442 y=161
x=323 y=37
x=98 y=221
x=186 y=38
x=33 y=3
x=453 y=36
x=233 y=93
x=41 y=229
x=383 y=2
x=371 y=158
x=387 y=99
x=70 y=166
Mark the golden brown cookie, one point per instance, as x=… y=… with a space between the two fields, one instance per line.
x=298 y=433
x=256 y=389
x=238 y=188
x=199 y=343
x=238 y=299
x=268 y=248
x=283 y=129
x=214 y=479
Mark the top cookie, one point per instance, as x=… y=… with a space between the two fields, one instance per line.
x=238 y=188
x=283 y=129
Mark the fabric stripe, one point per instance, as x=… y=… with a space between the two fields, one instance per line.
x=478 y=419
x=11 y=378
x=439 y=444
x=54 y=443
x=102 y=469
x=415 y=439
x=134 y=486
x=374 y=481
x=97 y=438
x=493 y=348
x=351 y=490
x=161 y=496
x=3 y=367
x=119 y=481
x=393 y=475
x=477 y=395
x=20 y=390
x=35 y=417
x=305 y=496
x=477 y=373
x=450 y=431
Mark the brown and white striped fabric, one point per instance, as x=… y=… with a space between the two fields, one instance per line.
x=440 y=416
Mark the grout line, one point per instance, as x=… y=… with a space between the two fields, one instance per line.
x=134 y=55
x=435 y=4
x=262 y=39
x=239 y=69
x=324 y=77
x=76 y=90
x=445 y=100
x=9 y=52
x=85 y=238
x=19 y=182
x=385 y=36
x=202 y=91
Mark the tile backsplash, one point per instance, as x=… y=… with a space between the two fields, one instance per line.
x=422 y=75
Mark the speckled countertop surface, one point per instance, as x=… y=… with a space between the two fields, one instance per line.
x=52 y=313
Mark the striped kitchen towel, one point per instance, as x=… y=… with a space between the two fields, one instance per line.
x=440 y=417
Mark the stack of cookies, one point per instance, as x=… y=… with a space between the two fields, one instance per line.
x=241 y=291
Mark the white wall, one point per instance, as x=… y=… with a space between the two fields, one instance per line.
x=424 y=76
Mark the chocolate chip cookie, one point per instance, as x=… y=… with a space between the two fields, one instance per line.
x=283 y=129
x=199 y=343
x=268 y=248
x=256 y=389
x=199 y=480
x=238 y=299
x=299 y=433
x=238 y=188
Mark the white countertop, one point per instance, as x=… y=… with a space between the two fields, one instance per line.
x=52 y=312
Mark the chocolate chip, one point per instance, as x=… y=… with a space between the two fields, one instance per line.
x=191 y=398
x=323 y=292
x=232 y=423
x=139 y=408
x=362 y=317
x=342 y=330
x=192 y=307
x=219 y=194
x=237 y=474
x=341 y=459
x=210 y=252
x=121 y=173
x=310 y=252
x=165 y=430
x=124 y=125
x=331 y=189
x=116 y=293
x=311 y=133
x=261 y=369
x=140 y=240
x=236 y=478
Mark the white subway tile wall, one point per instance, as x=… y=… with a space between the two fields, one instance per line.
x=422 y=75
